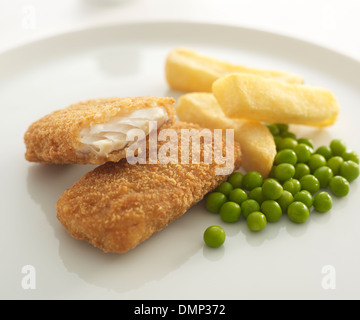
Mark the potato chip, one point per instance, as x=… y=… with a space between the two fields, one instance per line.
x=257 y=143
x=273 y=101
x=188 y=71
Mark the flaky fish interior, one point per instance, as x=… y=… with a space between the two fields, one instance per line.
x=119 y=132
x=96 y=131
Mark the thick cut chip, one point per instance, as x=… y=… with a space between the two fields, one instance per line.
x=119 y=205
x=256 y=142
x=95 y=131
x=189 y=71
x=273 y=101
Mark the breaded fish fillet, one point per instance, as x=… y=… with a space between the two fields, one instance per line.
x=94 y=131
x=117 y=206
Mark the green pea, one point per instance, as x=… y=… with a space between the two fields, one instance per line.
x=292 y=185
x=339 y=186
x=277 y=140
x=288 y=134
x=230 y=211
x=272 y=210
x=285 y=156
x=256 y=221
x=306 y=141
x=325 y=151
x=285 y=200
x=323 y=174
x=350 y=155
x=274 y=129
x=298 y=212
x=322 y=201
x=238 y=195
x=338 y=147
x=214 y=236
x=236 y=179
x=283 y=127
x=334 y=163
x=271 y=189
x=303 y=152
x=251 y=180
x=284 y=171
x=272 y=172
x=301 y=169
x=310 y=183
x=214 y=201
x=316 y=161
x=287 y=143
x=349 y=170
x=248 y=206
x=257 y=195
x=305 y=197
x=225 y=188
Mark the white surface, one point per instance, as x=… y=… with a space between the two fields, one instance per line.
x=283 y=261
x=331 y=23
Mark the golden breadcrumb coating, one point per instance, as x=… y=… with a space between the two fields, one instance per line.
x=55 y=137
x=117 y=206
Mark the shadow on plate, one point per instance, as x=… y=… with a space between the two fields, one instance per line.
x=124 y=62
x=47 y=182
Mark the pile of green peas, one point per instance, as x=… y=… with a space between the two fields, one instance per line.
x=302 y=179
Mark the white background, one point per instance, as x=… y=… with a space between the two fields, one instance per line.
x=334 y=24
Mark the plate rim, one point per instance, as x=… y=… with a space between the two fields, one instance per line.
x=103 y=26
x=332 y=62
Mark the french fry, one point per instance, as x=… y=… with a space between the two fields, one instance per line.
x=273 y=101
x=256 y=142
x=188 y=71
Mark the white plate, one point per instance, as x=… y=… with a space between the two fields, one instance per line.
x=283 y=261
